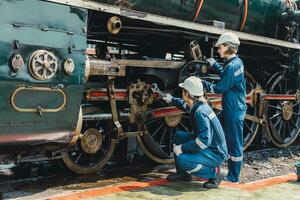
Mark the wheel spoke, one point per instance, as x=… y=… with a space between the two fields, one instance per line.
x=284 y=130
x=289 y=128
x=275 y=115
x=163 y=136
x=275 y=107
x=184 y=127
x=185 y=116
x=277 y=122
x=151 y=121
x=297 y=114
x=78 y=157
x=286 y=85
x=280 y=126
x=156 y=131
x=246 y=124
x=171 y=139
x=296 y=104
x=294 y=124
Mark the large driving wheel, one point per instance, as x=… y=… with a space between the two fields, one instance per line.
x=283 y=116
x=93 y=150
x=157 y=144
x=251 y=127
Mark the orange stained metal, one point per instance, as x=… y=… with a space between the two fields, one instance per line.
x=245 y=14
x=161 y=112
x=101 y=94
x=200 y=4
x=90 y=51
x=280 y=97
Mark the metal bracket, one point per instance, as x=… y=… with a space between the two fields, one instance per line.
x=113 y=105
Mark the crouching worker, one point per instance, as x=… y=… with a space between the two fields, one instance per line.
x=200 y=152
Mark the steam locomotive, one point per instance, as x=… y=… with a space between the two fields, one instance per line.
x=76 y=75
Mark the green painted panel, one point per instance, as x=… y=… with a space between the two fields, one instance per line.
x=40 y=25
x=67 y=116
x=42 y=14
x=29 y=99
x=37 y=37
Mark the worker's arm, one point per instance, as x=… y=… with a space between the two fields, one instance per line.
x=180 y=103
x=219 y=68
x=224 y=85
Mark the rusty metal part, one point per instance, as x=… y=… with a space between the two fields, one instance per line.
x=255 y=119
x=165 y=64
x=287 y=110
x=283 y=97
x=43 y=65
x=114 y=25
x=102 y=94
x=139 y=99
x=113 y=105
x=91 y=141
x=77 y=130
x=195 y=50
x=16 y=62
x=165 y=111
x=106 y=68
x=118 y=67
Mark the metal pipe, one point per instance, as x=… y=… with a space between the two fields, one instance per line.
x=105 y=116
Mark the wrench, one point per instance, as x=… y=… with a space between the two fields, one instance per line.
x=156 y=89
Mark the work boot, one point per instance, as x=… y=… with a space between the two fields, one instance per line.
x=179 y=176
x=213 y=183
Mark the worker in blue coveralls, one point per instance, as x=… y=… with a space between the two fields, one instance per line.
x=233 y=87
x=200 y=152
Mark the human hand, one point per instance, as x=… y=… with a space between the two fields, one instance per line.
x=177 y=150
x=211 y=61
x=168 y=98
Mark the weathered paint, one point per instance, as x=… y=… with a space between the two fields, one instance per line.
x=263 y=15
x=27 y=26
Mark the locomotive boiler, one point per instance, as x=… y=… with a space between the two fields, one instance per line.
x=102 y=57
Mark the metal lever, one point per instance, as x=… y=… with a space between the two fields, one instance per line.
x=156 y=89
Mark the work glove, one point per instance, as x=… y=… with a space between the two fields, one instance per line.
x=168 y=98
x=177 y=150
x=211 y=61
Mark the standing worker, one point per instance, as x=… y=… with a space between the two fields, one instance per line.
x=233 y=87
x=203 y=151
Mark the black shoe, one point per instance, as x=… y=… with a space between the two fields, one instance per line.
x=175 y=177
x=213 y=183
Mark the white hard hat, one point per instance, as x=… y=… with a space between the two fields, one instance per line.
x=228 y=38
x=193 y=85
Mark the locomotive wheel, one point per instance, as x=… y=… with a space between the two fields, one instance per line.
x=250 y=128
x=157 y=144
x=93 y=150
x=283 y=116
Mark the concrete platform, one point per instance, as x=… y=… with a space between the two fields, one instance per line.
x=282 y=187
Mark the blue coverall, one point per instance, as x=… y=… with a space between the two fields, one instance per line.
x=205 y=148
x=233 y=87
